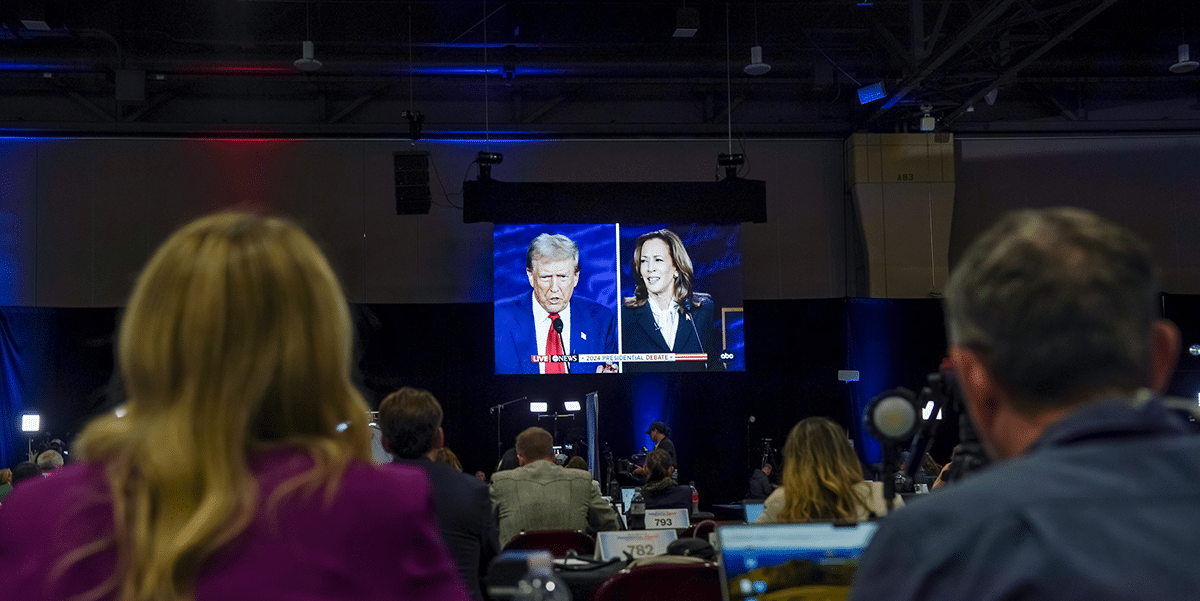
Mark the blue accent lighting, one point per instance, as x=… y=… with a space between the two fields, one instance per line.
x=649 y=391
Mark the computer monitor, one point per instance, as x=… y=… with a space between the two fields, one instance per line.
x=757 y=559
x=627 y=496
x=753 y=510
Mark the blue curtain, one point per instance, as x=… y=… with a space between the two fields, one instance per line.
x=12 y=391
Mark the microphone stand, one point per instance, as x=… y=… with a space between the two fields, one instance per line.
x=496 y=409
x=687 y=314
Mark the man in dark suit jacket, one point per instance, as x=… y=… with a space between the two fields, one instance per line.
x=694 y=334
x=411 y=422
x=760 y=483
x=525 y=326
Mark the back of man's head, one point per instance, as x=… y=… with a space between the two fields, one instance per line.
x=409 y=420
x=1059 y=304
x=535 y=444
x=48 y=461
x=24 y=471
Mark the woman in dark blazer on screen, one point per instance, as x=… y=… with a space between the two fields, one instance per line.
x=665 y=314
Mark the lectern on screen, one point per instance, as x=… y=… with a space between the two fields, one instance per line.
x=661 y=297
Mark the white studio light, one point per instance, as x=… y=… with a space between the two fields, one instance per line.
x=31 y=422
x=572 y=405
x=120 y=411
x=538 y=407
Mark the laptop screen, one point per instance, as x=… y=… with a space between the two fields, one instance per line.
x=627 y=495
x=753 y=510
x=756 y=560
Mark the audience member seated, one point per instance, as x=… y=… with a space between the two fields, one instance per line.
x=446 y=456
x=508 y=461
x=822 y=479
x=760 y=483
x=660 y=491
x=242 y=466
x=411 y=421
x=48 y=461
x=542 y=495
x=23 y=471
x=1056 y=338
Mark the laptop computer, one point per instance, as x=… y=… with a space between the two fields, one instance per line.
x=816 y=559
x=627 y=495
x=752 y=510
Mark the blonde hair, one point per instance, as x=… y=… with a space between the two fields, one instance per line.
x=820 y=471
x=237 y=337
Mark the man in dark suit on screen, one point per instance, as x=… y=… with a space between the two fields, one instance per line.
x=411 y=422
x=549 y=320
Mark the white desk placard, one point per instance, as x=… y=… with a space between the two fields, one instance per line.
x=658 y=519
x=637 y=543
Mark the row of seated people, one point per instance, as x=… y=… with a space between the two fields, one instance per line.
x=242 y=465
x=244 y=435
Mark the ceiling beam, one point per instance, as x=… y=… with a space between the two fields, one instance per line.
x=1010 y=73
x=930 y=66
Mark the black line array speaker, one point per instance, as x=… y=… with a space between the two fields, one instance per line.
x=412 y=183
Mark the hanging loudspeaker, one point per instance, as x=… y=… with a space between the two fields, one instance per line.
x=412 y=183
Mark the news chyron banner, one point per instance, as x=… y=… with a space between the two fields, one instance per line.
x=617 y=298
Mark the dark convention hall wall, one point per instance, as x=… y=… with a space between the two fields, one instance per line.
x=1148 y=183
x=80 y=216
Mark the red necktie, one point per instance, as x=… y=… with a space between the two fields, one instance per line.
x=554 y=347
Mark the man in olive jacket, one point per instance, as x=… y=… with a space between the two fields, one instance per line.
x=542 y=495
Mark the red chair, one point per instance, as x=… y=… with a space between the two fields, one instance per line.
x=701 y=530
x=557 y=542
x=663 y=582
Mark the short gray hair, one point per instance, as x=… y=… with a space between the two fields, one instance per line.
x=553 y=247
x=1059 y=303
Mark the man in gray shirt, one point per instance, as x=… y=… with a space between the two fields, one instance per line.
x=1055 y=335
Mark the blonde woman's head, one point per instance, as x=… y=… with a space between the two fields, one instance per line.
x=236 y=337
x=820 y=473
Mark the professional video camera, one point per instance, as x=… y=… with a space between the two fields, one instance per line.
x=894 y=417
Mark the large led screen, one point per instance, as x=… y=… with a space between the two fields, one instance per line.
x=611 y=298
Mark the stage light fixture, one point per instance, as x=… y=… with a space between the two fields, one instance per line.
x=871 y=93
x=756 y=66
x=687 y=22
x=572 y=405
x=928 y=123
x=485 y=160
x=990 y=97
x=31 y=422
x=538 y=407
x=731 y=162
x=306 y=62
x=1185 y=63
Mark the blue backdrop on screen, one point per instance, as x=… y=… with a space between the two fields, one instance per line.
x=716 y=254
x=597 y=259
x=513 y=326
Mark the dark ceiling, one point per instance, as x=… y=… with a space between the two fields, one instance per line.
x=598 y=68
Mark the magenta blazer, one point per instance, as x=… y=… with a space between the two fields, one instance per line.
x=378 y=541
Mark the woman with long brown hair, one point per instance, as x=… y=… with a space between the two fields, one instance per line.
x=822 y=479
x=241 y=466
